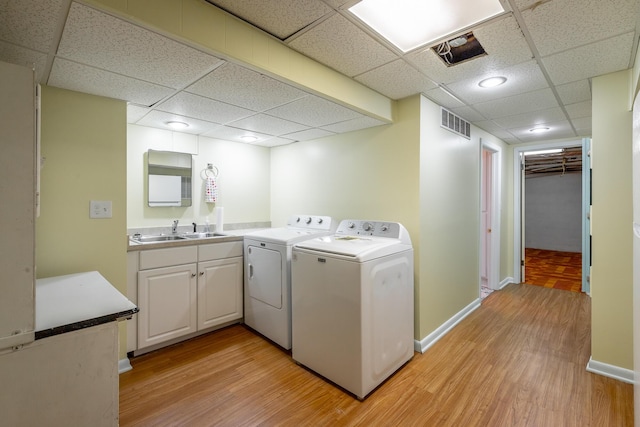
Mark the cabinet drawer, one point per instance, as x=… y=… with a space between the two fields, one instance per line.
x=219 y=251
x=155 y=258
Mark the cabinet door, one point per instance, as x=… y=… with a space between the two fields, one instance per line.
x=167 y=302
x=219 y=291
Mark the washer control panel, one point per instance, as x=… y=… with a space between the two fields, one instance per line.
x=354 y=227
x=311 y=222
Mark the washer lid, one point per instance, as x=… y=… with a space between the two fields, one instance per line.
x=284 y=235
x=359 y=248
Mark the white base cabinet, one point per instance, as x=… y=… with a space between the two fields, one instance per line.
x=184 y=291
x=219 y=296
x=168 y=297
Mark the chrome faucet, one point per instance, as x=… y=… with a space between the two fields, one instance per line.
x=174 y=227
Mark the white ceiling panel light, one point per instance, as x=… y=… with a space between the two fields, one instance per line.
x=409 y=24
x=492 y=82
x=173 y=124
x=539 y=129
x=538 y=152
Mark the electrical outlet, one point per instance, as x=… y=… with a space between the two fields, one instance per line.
x=100 y=209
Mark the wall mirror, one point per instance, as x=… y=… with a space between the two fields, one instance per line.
x=169 y=178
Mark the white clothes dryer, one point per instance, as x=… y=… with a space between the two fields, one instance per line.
x=267 y=274
x=352 y=305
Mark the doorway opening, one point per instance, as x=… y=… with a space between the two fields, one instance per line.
x=552 y=241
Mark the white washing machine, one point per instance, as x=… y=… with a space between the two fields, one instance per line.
x=267 y=274
x=353 y=304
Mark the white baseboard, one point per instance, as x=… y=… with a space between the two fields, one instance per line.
x=506 y=281
x=611 y=371
x=424 y=344
x=124 y=365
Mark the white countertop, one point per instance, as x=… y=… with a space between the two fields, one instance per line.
x=76 y=301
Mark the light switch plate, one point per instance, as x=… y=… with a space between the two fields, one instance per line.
x=100 y=209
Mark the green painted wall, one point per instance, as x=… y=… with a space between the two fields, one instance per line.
x=84 y=143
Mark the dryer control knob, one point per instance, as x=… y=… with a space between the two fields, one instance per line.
x=319 y=220
x=351 y=225
x=367 y=226
x=308 y=221
x=384 y=227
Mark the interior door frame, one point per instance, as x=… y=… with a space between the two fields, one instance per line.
x=493 y=271
x=518 y=211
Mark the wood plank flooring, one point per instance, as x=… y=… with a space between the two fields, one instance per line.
x=553 y=269
x=518 y=360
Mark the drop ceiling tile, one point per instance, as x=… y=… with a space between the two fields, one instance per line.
x=443 y=98
x=103 y=41
x=357 y=123
x=591 y=60
x=557 y=26
x=158 y=119
x=494 y=130
x=556 y=130
x=502 y=40
x=583 y=126
x=81 y=78
x=276 y=142
x=468 y=113
x=521 y=78
x=396 y=80
x=228 y=133
x=313 y=111
x=571 y=93
x=25 y=57
x=342 y=46
x=308 y=134
x=280 y=18
x=578 y=110
x=199 y=107
x=270 y=125
x=32 y=23
x=531 y=119
x=519 y=104
x=136 y=112
x=239 y=86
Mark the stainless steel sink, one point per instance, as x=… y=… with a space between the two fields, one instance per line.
x=155 y=239
x=202 y=235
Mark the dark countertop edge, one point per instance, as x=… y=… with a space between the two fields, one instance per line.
x=85 y=324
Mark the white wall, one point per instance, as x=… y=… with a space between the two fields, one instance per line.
x=243 y=180
x=553 y=212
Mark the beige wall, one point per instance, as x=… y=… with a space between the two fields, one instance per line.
x=611 y=282
x=84 y=144
x=449 y=220
x=369 y=174
x=243 y=179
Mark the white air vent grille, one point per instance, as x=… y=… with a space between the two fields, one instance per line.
x=455 y=123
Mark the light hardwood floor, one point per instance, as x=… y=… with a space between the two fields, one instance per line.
x=518 y=360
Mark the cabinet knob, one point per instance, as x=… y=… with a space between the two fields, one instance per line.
x=193 y=275
x=202 y=273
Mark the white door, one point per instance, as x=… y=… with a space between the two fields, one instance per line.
x=264 y=275
x=219 y=291
x=485 y=218
x=167 y=301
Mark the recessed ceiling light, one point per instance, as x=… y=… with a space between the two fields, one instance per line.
x=418 y=22
x=249 y=138
x=177 y=125
x=492 y=81
x=539 y=129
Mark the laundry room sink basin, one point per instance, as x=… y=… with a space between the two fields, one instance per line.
x=202 y=235
x=156 y=239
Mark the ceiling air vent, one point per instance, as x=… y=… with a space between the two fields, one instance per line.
x=460 y=49
x=455 y=123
